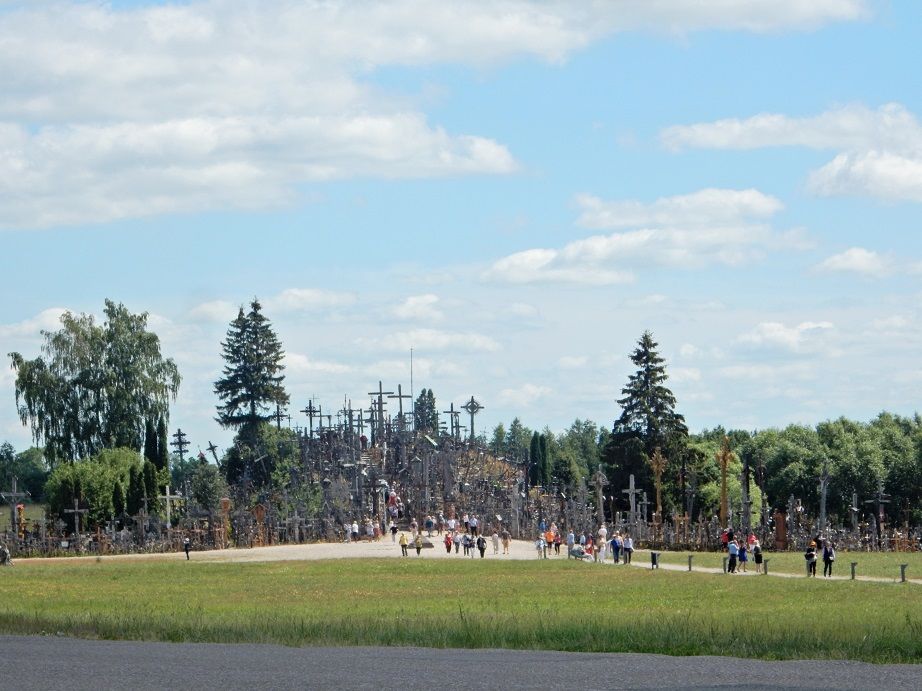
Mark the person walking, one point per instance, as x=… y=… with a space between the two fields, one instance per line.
x=616 y=547
x=457 y=541
x=628 y=548
x=810 y=556
x=829 y=556
x=187 y=545
x=495 y=542
x=757 y=555
x=557 y=542
x=744 y=555
x=419 y=543
x=540 y=546
x=448 y=542
x=733 y=550
x=507 y=537
x=403 y=544
x=481 y=545
x=466 y=543
x=571 y=541
x=393 y=529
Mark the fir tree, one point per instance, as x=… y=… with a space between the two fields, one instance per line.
x=135 y=495
x=118 y=499
x=251 y=385
x=150 y=441
x=535 y=463
x=149 y=481
x=163 y=445
x=427 y=416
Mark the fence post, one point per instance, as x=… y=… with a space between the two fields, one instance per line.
x=854 y=564
x=903 y=572
x=765 y=566
x=690 y=557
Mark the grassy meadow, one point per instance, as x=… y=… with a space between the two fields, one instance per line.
x=557 y=604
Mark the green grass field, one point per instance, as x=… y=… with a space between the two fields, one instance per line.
x=877 y=564
x=555 y=604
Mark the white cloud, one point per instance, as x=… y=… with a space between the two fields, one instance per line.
x=46 y=320
x=215 y=104
x=221 y=311
x=298 y=299
x=430 y=339
x=681 y=375
x=296 y=363
x=798 y=338
x=857 y=260
x=572 y=361
x=723 y=229
x=765 y=374
x=419 y=307
x=524 y=396
x=896 y=322
x=689 y=351
x=705 y=207
x=880 y=151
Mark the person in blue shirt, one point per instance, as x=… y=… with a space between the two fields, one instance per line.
x=732 y=551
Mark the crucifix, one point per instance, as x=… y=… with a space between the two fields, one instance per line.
x=599 y=481
x=879 y=500
x=278 y=416
x=723 y=458
x=400 y=395
x=632 y=493
x=180 y=444
x=380 y=393
x=472 y=407
x=824 y=483
x=453 y=420
x=214 y=451
x=13 y=497
x=370 y=419
x=658 y=465
x=854 y=511
x=644 y=506
x=169 y=497
x=310 y=411
x=76 y=511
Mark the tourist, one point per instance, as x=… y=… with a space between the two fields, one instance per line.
x=474 y=525
x=393 y=528
x=582 y=539
x=628 y=548
x=549 y=538
x=457 y=540
x=602 y=542
x=557 y=541
x=187 y=545
x=481 y=545
x=810 y=556
x=403 y=544
x=430 y=524
x=465 y=519
x=829 y=556
x=441 y=523
x=571 y=542
x=452 y=522
x=615 y=546
x=743 y=555
x=757 y=555
x=448 y=542
x=541 y=546
x=507 y=537
x=419 y=543
x=732 y=551
x=724 y=540
x=467 y=543
x=495 y=542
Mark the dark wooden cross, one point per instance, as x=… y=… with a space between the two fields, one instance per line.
x=380 y=393
x=279 y=416
x=13 y=497
x=310 y=411
x=472 y=407
x=454 y=420
x=400 y=395
x=180 y=444
x=632 y=493
x=77 y=511
x=214 y=451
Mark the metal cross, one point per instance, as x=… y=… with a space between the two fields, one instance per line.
x=380 y=393
x=180 y=444
x=472 y=407
x=310 y=411
x=400 y=395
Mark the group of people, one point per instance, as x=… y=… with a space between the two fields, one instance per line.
x=828 y=553
x=596 y=547
x=738 y=552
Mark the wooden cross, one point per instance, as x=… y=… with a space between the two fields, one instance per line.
x=472 y=407
x=77 y=511
x=169 y=497
x=380 y=393
x=658 y=465
x=400 y=395
x=180 y=444
x=599 y=480
x=278 y=416
x=214 y=451
x=453 y=420
x=723 y=459
x=13 y=497
x=310 y=411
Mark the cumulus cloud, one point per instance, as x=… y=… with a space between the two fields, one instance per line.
x=303 y=299
x=46 y=320
x=572 y=361
x=214 y=311
x=802 y=337
x=859 y=261
x=119 y=112
x=297 y=363
x=430 y=339
x=419 y=307
x=524 y=396
x=721 y=227
x=879 y=151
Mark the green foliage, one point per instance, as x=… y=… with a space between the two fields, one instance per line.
x=251 y=385
x=92 y=481
x=95 y=386
x=518 y=437
x=151 y=483
x=427 y=415
x=134 y=499
x=150 y=441
x=162 y=460
x=272 y=449
x=498 y=440
x=27 y=466
x=118 y=498
x=207 y=486
x=182 y=470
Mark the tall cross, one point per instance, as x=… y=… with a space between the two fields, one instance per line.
x=380 y=393
x=723 y=458
x=879 y=500
x=180 y=444
x=824 y=483
x=13 y=497
x=645 y=506
x=854 y=511
x=278 y=416
x=632 y=493
x=77 y=511
x=400 y=395
x=310 y=411
x=472 y=407
x=214 y=451
x=169 y=498
x=599 y=480
x=453 y=421
x=658 y=465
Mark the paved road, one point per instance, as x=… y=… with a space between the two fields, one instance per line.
x=32 y=662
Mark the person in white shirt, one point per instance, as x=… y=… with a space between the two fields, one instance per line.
x=628 y=548
x=602 y=544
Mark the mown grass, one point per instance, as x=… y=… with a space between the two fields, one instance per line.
x=555 y=605
x=876 y=564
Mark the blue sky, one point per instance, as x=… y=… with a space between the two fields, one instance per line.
x=515 y=189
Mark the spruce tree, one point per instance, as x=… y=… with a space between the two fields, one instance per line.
x=251 y=385
x=150 y=441
x=162 y=459
x=427 y=416
x=118 y=499
x=135 y=494
x=149 y=481
x=535 y=464
x=648 y=419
